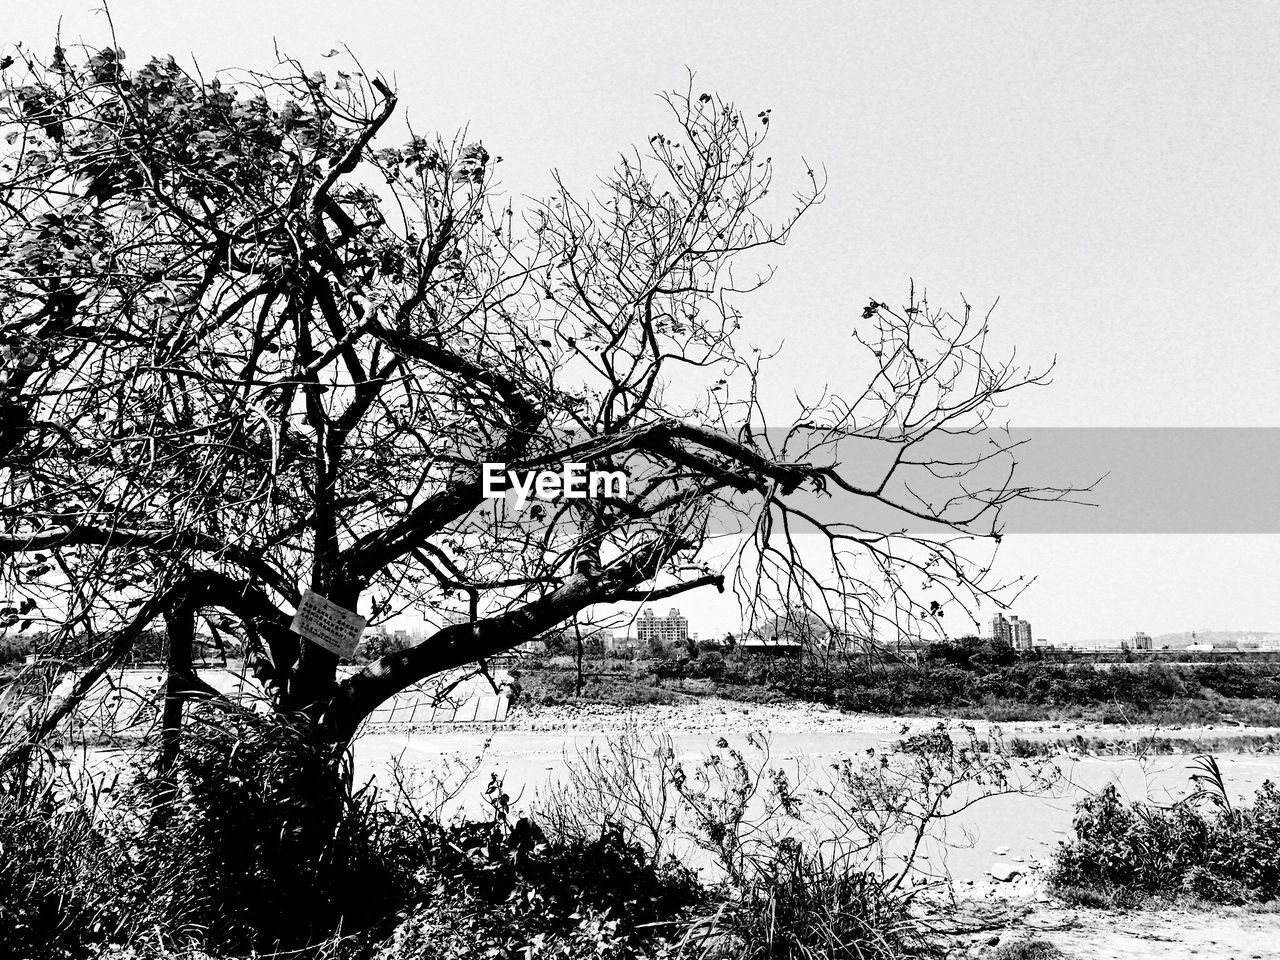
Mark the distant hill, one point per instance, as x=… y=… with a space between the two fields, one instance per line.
x=1219 y=638
x=796 y=627
x=1184 y=638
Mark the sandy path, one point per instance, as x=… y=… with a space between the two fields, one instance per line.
x=1170 y=934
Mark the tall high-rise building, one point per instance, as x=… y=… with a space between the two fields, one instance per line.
x=1021 y=631
x=656 y=632
x=1001 y=629
x=1013 y=631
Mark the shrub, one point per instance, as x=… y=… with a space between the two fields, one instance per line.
x=257 y=841
x=254 y=843
x=1026 y=949
x=55 y=878
x=819 y=865
x=806 y=906
x=1200 y=847
x=504 y=890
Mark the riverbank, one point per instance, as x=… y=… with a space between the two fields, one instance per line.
x=1020 y=918
x=976 y=680
x=998 y=931
x=997 y=871
x=718 y=716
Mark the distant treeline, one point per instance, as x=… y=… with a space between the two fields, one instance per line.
x=150 y=648
x=1224 y=655
x=985 y=679
x=13 y=648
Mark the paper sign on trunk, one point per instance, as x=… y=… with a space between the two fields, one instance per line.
x=335 y=628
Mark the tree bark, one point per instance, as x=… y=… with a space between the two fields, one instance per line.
x=180 y=628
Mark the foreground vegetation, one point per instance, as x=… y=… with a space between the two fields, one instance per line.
x=259 y=843
x=974 y=681
x=1202 y=848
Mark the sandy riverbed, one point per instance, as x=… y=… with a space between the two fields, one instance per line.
x=532 y=750
x=721 y=716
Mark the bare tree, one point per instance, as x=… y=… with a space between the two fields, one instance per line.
x=249 y=347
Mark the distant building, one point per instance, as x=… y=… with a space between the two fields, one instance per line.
x=790 y=636
x=1140 y=641
x=1021 y=630
x=1013 y=631
x=1267 y=643
x=1001 y=629
x=661 y=633
x=796 y=627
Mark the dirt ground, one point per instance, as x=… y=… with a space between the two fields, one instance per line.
x=1166 y=934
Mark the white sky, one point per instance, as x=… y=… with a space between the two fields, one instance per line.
x=1107 y=170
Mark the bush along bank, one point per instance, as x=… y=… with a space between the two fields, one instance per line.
x=1200 y=849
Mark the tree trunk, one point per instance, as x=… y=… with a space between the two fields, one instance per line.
x=180 y=628
x=314 y=680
